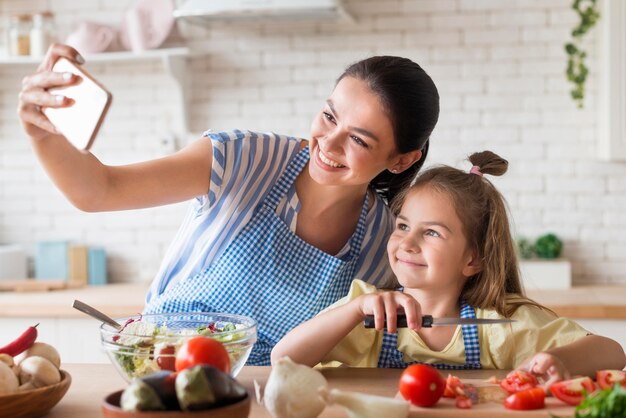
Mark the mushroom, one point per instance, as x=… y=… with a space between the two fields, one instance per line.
x=9 y=361
x=8 y=380
x=43 y=350
x=39 y=372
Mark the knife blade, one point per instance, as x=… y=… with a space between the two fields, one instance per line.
x=428 y=321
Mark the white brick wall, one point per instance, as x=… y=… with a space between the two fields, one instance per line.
x=499 y=66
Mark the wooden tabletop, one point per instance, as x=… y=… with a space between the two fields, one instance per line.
x=123 y=299
x=91 y=383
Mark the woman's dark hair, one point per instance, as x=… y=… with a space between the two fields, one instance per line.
x=411 y=100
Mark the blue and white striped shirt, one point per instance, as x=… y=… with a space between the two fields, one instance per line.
x=245 y=167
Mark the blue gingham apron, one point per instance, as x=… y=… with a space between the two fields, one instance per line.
x=391 y=357
x=269 y=274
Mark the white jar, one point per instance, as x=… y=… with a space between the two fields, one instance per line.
x=41 y=34
x=19 y=35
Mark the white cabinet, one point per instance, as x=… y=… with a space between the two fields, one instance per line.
x=77 y=340
x=612 y=100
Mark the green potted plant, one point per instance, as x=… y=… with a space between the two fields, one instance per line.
x=541 y=266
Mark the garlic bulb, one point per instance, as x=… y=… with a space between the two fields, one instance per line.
x=360 y=405
x=292 y=391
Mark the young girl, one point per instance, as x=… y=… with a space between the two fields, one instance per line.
x=453 y=254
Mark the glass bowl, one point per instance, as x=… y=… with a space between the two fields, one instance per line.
x=149 y=343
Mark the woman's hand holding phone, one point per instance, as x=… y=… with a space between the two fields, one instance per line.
x=35 y=95
x=61 y=98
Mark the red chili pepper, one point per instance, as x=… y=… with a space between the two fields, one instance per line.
x=21 y=343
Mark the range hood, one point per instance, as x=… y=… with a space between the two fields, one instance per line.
x=204 y=11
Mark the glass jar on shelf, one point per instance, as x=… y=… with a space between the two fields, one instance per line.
x=19 y=35
x=41 y=33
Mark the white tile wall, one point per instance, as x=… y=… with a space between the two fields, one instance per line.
x=499 y=66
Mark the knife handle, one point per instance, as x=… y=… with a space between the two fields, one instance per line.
x=427 y=321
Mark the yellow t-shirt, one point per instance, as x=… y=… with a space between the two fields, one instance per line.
x=502 y=346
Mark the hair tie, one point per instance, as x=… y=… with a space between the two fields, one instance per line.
x=476 y=170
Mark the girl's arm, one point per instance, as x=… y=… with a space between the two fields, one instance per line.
x=311 y=341
x=584 y=356
x=89 y=184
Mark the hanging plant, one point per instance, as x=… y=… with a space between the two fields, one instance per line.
x=577 y=71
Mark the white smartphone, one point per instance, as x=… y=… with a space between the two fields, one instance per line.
x=80 y=122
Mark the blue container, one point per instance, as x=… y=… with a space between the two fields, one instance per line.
x=97 y=261
x=51 y=260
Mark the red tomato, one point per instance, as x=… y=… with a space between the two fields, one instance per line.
x=608 y=378
x=422 y=385
x=166 y=359
x=525 y=400
x=463 y=402
x=518 y=380
x=454 y=387
x=571 y=391
x=202 y=350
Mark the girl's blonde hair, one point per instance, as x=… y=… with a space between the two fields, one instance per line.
x=483 y=213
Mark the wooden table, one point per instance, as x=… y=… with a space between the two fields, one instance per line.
x=92 y=382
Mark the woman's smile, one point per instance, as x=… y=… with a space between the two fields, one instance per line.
x=327 y=161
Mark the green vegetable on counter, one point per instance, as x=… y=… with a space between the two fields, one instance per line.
x=607 y=403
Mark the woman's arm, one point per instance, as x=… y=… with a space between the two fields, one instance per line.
x=85 y=181
x=311 y=341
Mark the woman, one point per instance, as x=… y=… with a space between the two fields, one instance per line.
x=279 y=226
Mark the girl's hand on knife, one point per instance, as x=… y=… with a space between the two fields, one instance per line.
x=386 y=304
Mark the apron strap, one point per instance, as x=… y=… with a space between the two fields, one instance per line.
x=286 y=180
x=390 y=356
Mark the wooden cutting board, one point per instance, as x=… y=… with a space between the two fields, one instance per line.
x=446 y=408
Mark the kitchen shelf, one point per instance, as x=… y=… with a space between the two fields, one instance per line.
x=174 y=62
x=150 y=54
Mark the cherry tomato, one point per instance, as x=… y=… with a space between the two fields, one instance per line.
x=608 y=378
x=518 y=380
x=454 y=387
x=202 y=350
x=463 y=402
x=571 y=391
x=525 y=400
x=166 y=359
x=422 y=385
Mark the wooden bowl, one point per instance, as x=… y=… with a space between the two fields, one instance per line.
x=36 y=402
x=111 y=409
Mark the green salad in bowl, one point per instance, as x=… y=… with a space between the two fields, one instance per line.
x=149 y=343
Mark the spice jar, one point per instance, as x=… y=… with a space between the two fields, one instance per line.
x=41 y=33
x=19 y=35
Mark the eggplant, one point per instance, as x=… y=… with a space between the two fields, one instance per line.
x=154 y=392
x=205 y=387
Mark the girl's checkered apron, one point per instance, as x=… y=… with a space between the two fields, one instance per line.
x=269 y=274
x=391 y=357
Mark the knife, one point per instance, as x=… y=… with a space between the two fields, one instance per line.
x=428 y=321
